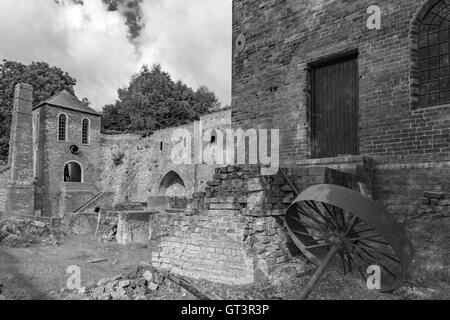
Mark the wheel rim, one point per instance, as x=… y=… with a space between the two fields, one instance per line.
x=326 y=215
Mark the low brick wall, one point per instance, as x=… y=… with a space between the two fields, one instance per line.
x=400 y=187
x=236 y=227
x=133 y=227
x=434 y=203
x=210 y=245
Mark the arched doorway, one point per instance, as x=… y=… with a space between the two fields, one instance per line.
x=73 y=172
x=172 y=186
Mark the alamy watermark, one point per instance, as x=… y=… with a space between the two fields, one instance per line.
x=228 y=147
x=374 y=279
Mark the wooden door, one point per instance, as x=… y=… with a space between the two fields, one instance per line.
x=334 y=115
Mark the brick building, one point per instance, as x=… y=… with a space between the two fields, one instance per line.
x=66 y=141
x=337 y=84
x=360 y=92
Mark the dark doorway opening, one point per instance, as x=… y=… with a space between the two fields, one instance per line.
x=72 y=172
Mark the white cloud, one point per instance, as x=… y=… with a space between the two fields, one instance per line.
x=190 y=38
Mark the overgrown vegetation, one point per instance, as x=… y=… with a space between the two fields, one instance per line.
x=153 y=101
x=46 y=82
x=118 y=158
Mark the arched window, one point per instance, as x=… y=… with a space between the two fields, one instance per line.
x=434 y=72
x=62 y=130
x=73 y=172
x=85 y=132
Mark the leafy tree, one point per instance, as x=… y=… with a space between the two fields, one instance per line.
x=153 y=101
x=46 y=82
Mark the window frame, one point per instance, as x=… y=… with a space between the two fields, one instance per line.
x=66 y=127
x=420 y=76
x=88 y=132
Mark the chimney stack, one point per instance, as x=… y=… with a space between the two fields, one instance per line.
x=20 y=194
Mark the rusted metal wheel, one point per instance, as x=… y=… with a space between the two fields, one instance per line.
x=324 y=217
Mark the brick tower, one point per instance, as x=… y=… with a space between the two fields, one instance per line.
x=20 y=193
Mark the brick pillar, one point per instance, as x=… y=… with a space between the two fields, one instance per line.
x=20 y=193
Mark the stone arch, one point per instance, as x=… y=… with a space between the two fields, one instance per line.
x=73 y=172
x=172 y=185
x=414 y=31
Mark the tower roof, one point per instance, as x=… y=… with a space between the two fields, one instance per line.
x=65 y=99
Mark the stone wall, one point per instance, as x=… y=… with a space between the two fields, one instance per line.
x=235 y=228
x=209 y=245
x=433 y=204
x=4 y=180
x=271 y=78
x=147 y=161
x=133 y=227
x=53 y=155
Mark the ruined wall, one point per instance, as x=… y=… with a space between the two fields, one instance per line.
x=54 y=154
x=4 y=179
x=271 y=79
x=146 y=161
x=235 y=228
x=210 y=245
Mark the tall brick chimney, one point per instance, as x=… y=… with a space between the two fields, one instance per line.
x=20 y=191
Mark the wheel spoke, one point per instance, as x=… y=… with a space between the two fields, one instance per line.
x=353 y=222
x=374 y=260
x=384 y=254
x=365 y=237
x=377 y=241
x=305 y=225
x=365 y=230
x=335 y=216
x=349 y=258
x=307 y=234
x=306 y=214
x=341 y=257
x=317 y=246
x=363 y=266
x=330 y=220
x=313 y=207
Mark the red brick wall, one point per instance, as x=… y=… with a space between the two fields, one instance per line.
x=400 y=186
x=271 y=81
x=53 y=155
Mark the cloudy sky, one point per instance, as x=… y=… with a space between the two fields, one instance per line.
x=102 y=43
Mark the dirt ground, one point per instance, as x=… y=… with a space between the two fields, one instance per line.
x=39 y=272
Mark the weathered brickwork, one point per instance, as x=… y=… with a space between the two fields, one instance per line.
x=435 y=204
x=53 y=155
x=133 y=227
x=271 y=81
x=235 y=228
x=400 y=186
x=4 y=180
x=20 y=190
x=209 y=245
x=144 y=165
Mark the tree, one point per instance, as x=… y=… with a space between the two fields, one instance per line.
x=46 y=82
x=153 y=101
